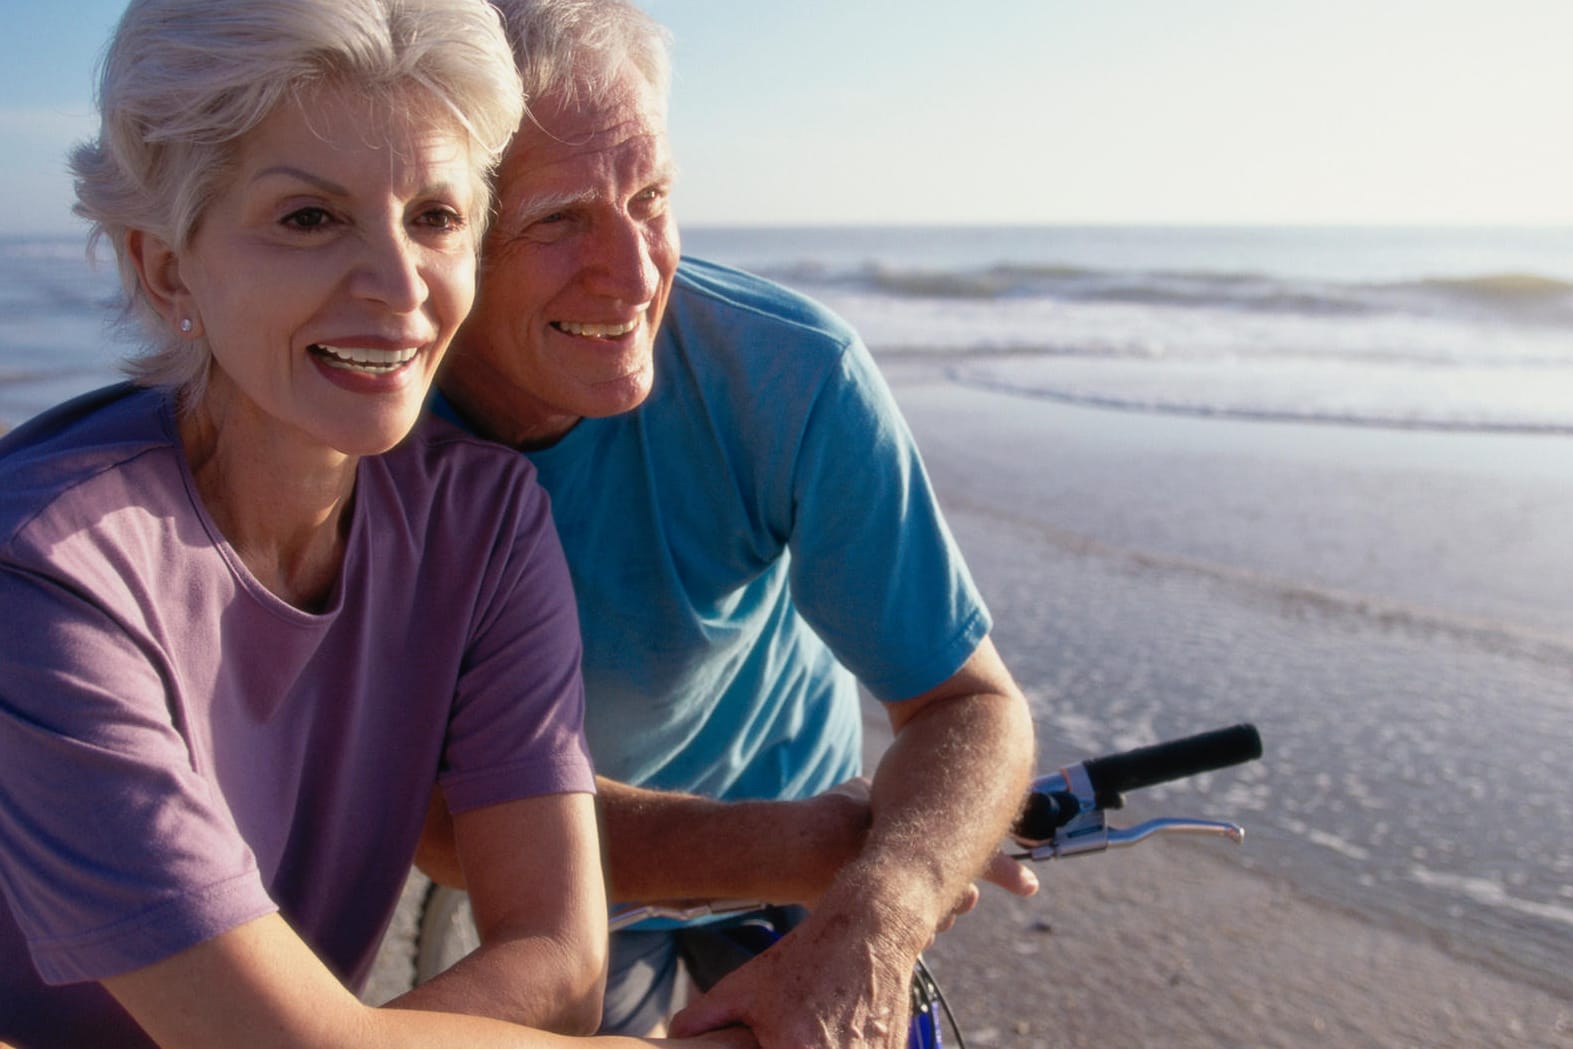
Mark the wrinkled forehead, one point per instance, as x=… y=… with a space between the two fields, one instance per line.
x=598 y=116
x=571 y=152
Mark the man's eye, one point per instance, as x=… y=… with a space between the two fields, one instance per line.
x=308 y=218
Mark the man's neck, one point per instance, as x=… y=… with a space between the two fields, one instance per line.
x=497 y=410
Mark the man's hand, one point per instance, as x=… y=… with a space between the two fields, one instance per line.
x=1012 y=876
x=942 y=798
x=726 y=1038
x=797 y=993
x=837 y=981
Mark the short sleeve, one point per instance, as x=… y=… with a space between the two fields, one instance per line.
x=874 y=568
x=517 y=728
x=114 y=851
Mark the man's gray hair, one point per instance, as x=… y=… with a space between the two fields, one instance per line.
x=575 y=51
x=184 y=80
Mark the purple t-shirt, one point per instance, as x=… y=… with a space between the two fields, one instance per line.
x=181 y=751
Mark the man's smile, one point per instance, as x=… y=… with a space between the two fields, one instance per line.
x=596 y=331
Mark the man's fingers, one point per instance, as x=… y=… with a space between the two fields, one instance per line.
x=709 y=1013
x=1012 y=876
x=857 y=788
x=732 y=1038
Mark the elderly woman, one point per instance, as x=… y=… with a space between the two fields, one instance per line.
x=251 y=618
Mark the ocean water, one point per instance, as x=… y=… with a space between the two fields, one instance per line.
x=1317 y=478
x=57 y=337
x=1466 y=329
x=1431 y=328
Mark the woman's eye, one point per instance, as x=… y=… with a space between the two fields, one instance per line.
x=442 y=218
x=308 y=218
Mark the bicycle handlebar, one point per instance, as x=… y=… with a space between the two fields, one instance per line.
x=1114 y=774
x=1064 y=810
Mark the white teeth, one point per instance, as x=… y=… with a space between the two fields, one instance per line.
x=365 y=358
x=599 y=331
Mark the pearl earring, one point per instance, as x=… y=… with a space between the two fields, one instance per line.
x=185 y=325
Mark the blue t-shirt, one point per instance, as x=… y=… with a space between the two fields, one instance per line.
x=758 y=528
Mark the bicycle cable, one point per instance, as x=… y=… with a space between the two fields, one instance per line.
x=931 y=985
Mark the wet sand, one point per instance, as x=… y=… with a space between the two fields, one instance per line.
x=1177 y=946
x=1151 y=577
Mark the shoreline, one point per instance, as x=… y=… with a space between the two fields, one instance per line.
x=1184 y=943
x=1177 y=944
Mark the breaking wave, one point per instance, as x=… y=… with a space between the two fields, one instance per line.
x=1527 y=298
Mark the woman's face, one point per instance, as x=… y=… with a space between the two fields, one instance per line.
x=331 y=272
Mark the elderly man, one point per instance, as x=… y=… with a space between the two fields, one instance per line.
x=751 y=534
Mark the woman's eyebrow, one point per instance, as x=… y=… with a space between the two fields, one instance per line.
x=288 y=171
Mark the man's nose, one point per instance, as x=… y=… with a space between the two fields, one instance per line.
x=622 y=263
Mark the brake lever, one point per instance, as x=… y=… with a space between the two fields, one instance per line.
x=1087 y=830
x=1091 y=833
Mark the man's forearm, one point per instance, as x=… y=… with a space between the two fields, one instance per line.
x=944 y=795
x=660 y=845
x=666 y=846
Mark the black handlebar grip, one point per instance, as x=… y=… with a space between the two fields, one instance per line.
x=1114 y=774
x=1044 y=814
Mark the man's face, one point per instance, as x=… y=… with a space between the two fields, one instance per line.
x=575 y=271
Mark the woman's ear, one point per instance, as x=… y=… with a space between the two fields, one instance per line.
x=158 y=271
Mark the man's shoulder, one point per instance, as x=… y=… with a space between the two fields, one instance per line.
x=715 y=295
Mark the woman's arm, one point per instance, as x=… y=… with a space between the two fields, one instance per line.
x=533 y=868
x=259 y=986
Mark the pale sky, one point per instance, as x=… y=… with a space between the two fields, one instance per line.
x=1027 y=111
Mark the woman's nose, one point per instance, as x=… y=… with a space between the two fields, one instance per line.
x=388 y=272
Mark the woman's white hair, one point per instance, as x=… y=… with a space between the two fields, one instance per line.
x=575 y=51
x=183 y=80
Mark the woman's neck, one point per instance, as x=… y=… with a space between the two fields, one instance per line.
x=282 y=500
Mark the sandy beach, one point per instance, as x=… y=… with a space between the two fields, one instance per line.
x=1180 y=946
x=1069 y=514
x=1152 y=577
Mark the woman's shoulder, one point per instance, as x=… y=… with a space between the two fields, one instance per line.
x=75 y=450
x=445 y=477
x=442 y=452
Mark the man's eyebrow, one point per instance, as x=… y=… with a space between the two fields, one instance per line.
x=539 y=204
